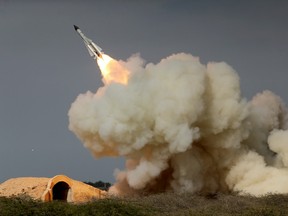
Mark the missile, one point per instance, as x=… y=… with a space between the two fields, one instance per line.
x=94 y=50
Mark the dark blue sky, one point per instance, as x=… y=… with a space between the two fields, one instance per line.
x=44 y=65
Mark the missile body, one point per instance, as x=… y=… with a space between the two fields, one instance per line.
x=94 y=50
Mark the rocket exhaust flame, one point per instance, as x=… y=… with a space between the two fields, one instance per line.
x=103 y=64
x=112 y=70
x=183 y=126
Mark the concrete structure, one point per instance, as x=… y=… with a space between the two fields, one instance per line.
x=60 y=187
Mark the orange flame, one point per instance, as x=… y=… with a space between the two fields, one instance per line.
x=112 y=70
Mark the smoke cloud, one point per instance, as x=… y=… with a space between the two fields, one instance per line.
x=183 y=126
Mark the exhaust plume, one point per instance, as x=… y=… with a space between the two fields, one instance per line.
x=183 y=126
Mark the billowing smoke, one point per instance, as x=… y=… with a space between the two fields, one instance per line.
x=183 y=126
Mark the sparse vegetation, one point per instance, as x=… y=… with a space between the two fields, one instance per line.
x=158 y=204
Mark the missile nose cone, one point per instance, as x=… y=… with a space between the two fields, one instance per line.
x=76 y=27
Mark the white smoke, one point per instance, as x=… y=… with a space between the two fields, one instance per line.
x=184 y=126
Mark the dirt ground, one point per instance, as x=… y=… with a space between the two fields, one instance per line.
x=30 y=186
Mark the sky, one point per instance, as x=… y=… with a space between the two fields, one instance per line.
x=44 y=65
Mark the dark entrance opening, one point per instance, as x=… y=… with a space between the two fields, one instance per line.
x=60 y=191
